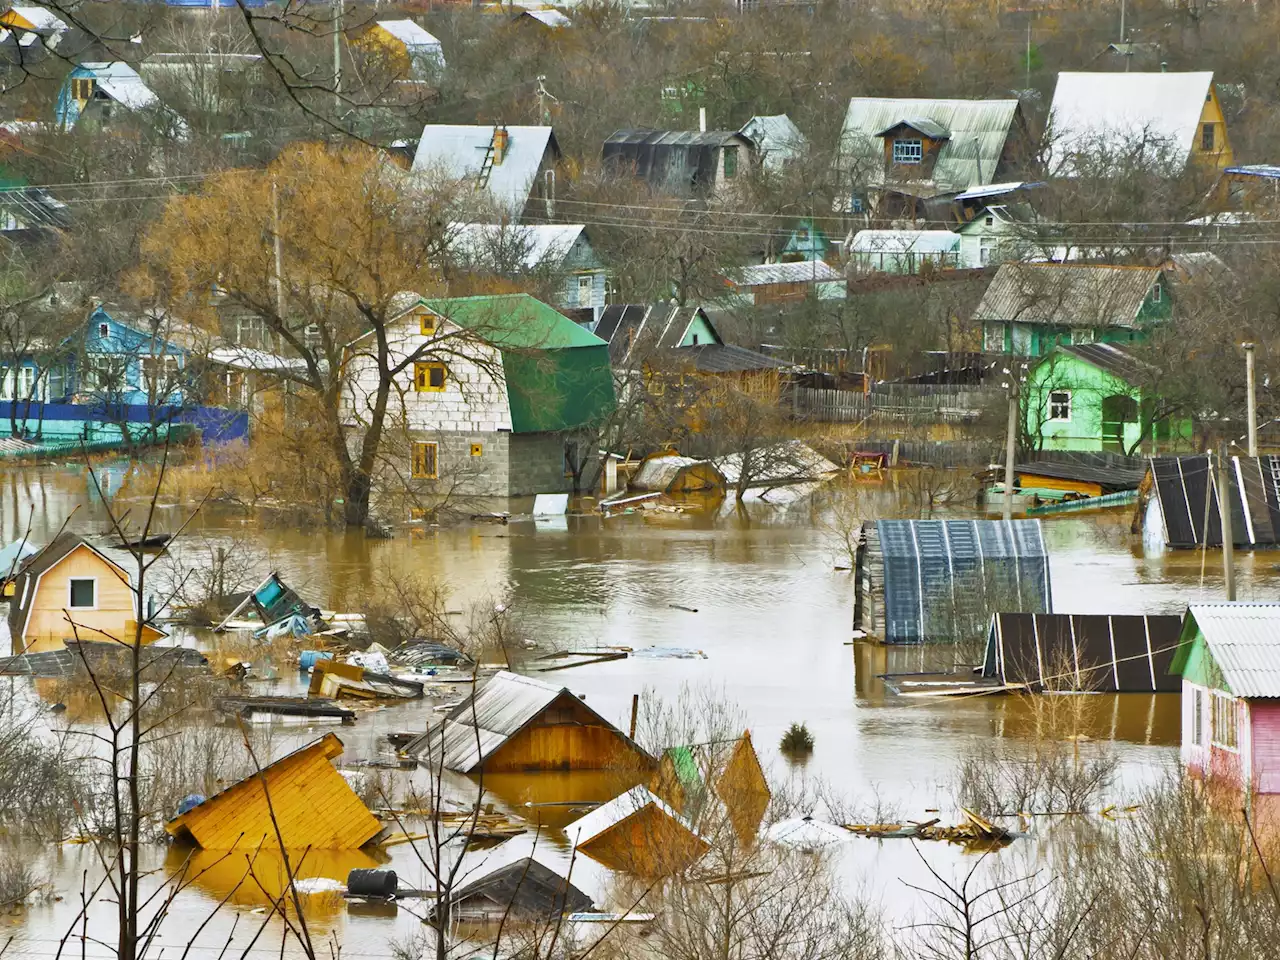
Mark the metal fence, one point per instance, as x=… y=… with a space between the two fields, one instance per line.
x=905 y=402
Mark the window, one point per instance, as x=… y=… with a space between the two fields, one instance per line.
x=104 y=331
x=908 y=151
x=571 y=458
x=426 y=323
x=82 y=88
x=1157 y=293
x=160 y=373
x=82 y=594
x=695 y=340
x=1060 y=405
x=1206 y=136
x=1197 y=717
x=477 y=449
x=424 y=461
x=1223 y=722
x=26 y=383
x=730 y=162
x=428 y=377
x=991 y=221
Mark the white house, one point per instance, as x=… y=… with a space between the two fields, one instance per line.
x=509 y=166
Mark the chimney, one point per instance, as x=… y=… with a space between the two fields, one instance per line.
x=501 y=140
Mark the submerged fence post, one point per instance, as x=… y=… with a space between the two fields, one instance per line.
x=635 y=713
x=1228 y=537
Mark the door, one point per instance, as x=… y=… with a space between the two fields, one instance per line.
x=1117 y=410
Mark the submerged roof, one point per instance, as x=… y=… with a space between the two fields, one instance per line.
x=608 y=815
x=1097 y=653
x=458 y=151
x=1244 y=641
x=1108 y=112
x=1067 y=294
x=527 y=887
x=1187 y=498
x=969 y=157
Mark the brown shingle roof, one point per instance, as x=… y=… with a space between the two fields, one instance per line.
x=1069 y=295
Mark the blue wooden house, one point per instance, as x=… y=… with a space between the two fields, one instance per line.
x=126 y=363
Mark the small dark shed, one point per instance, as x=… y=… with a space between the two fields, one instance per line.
x=523 y=890
x=681 y=161
x=1098 y=653
x=939 y=580
x=1178 y=502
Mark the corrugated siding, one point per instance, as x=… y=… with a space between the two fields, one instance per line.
x=1265 y=734
x=942 y=575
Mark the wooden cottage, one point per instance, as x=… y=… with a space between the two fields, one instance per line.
x=729 y=770
x=514 y=724
x=1229 y=659
x=312 y=803
x=638 y=833
x=71 y=590
x=525 y=890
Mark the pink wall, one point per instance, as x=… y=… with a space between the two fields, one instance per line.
x=1265 y=737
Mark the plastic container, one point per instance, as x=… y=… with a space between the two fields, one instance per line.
x=372 y=883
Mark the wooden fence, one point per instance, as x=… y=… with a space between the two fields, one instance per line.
x=919 y=404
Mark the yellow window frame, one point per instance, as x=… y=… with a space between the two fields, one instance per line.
x=422 y=377
x=425 y=461
x=426 y=323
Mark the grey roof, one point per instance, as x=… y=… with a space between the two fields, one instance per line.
x=500 y=709
x=1244 y=639
x=99 y=656
x=997 y=189
x=959 y=158
x=929 y=128
x=776 y=137
x=1071 y=295
x=1109 y=358
x=636 y=330
x=728 y=358
x=802 y=271
x=457 y=151
x=675 y=138
x=529 y=889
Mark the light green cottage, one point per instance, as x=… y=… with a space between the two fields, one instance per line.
x=1089 y=397
x=1030 y=308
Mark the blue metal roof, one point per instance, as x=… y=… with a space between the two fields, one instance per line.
x=942 y=577
x=1266 y=170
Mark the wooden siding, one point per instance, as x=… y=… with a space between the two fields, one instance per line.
x=1265 y=737
x=648 y=843
x=565 y=736
x=744 y=789
x=1222 y=155
x=114 y=615
x=313 y=805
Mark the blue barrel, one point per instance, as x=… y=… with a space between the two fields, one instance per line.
x=307 y=658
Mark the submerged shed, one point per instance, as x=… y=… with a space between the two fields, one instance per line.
x=674 y=474
x=935 y=580
x=301 y=794
x=637 y=832
x=1096 y=653
x=1178 y=507
x=514 y=723
x=729 y=770
x=525 y=890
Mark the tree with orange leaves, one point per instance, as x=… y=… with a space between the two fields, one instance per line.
x=317 y=247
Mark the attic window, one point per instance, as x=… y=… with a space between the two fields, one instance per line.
x=104 y=331
x=1157 y=293
x=1206 y=137
x=426 y=323
x=991 y=221
x=908 y=150
x=695 y=339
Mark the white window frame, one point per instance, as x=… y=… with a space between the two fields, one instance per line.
x=1197 y=716
x=1223 y=707
x=911 y=152
x=1052 y=403
x=94 y=581
x=587 y=283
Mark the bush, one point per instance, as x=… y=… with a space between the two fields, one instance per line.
x=797 y=740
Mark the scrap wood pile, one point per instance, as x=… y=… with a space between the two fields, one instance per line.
x=975 y=829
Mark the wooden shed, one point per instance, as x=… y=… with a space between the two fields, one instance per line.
x=732 y=769
x=514 y=723
x=637 y=833
x=312 y=803
x=524 y=890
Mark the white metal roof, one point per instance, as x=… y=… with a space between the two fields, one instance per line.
x=458 y=150
x=247 y=358
x=409 y=33
x=538 y=244
x=1094 y=112
x=803 y=271
x=551 y=18
x=1244 y=639
x=905 y=241
x=586 y=828
x=40 y=18
x=776 y=137
x=122 y=84
x=993 y=190
x=805 y=833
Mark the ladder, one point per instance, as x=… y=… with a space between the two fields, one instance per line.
x=486 y=164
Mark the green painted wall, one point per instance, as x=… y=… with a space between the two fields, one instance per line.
x=1089 y=388
x=699 y=328
x=1195 y=663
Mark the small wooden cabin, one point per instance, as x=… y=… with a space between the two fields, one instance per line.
x=71 y=590
x=514 y=724
x=525 y=890
x=312 y=803
x=1229 y=660
x=637 y=833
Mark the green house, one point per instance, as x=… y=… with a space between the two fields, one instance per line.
x=1029 y=308
x=1090 y=397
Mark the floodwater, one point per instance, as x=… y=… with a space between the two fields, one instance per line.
x=773 y=617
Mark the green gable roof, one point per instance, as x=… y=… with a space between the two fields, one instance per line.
x=557 y=373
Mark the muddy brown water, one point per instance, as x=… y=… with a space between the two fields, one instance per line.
x=773 y=618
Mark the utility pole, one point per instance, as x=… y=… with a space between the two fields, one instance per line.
x=279 y=253
x=1251 y=378
x=1028 y=85
x=1010 y=444
x=337 y=55
x=1228 y=538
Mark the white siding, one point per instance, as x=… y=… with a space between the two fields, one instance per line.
x=474 y=398
x=1195 y=755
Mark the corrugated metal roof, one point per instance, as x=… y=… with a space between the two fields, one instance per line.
x=1070 y=295
x=802 y=271
x=1107 y=112
x=997 y=189
x=587 y=828
x=776 y=137
x=673 y=138
x=542 y=244
x=122 y=84
x=978 y=131
x=929 y=128
x=905 y=241
x=1244 y=639
x=1267 y=170
x=1109 y=357
x=457 y=151
x=410 y=33
x=728 y=358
